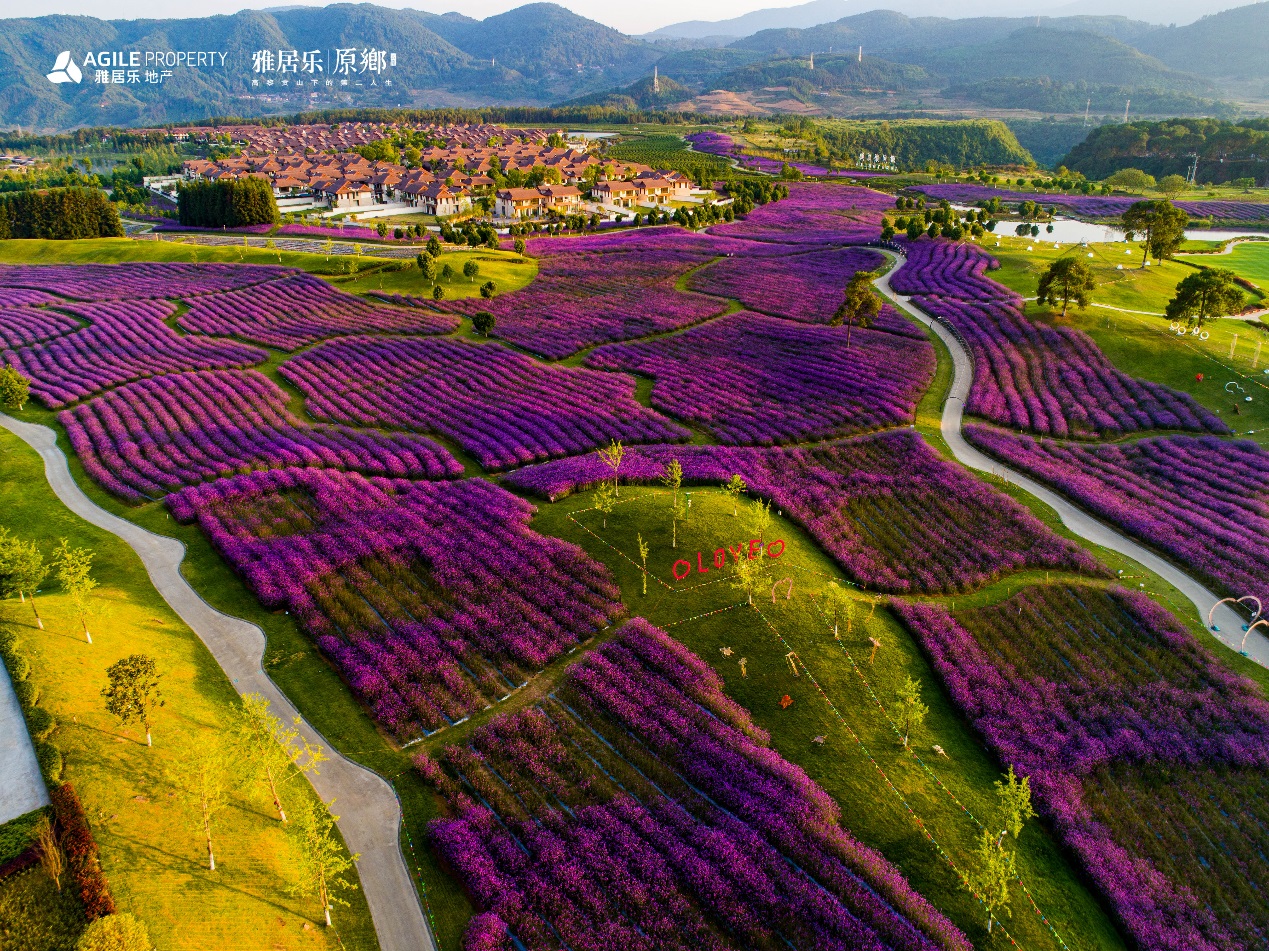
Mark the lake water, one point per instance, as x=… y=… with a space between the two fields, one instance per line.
x=1074 y=231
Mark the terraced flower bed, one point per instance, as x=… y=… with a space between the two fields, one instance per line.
x=750 y=378
x=1200 y=500
x=123 y=341
x=126 y=282
x=503 y=407
x=1028 y=375
x=892 y=513
x=804 y=287
x=1098 y=206
x=147 y=438
x=431 y=598
x=298 y=310
x=1149 y=758
x=640 y=808
x=814 y=215
x=23 y=326
x=583 y=298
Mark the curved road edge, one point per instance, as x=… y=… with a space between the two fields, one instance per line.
x=1229 y=623
x=370 y=815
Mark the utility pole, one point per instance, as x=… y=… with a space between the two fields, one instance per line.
x=861 y=55
x=1192 y=175
x=1126 y=105
x=656 y=80
x=812 y=62
x=1086 y=105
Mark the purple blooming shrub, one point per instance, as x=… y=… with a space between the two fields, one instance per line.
x=1121 y=720
x=640 y=808
x=432 y=599
x=892 y=513
x=300 y=309
x=23 y=326
x=24 y=297
x=122 y=342
x=127 y=282
x=503 y=407
x=487 y=932
x=658 y=239
x=153 y=436
x=1095 y=206
x=1030 y=375
x=1202 y=501
x=340 y=233
x=750 y=378
x=583 y=298
x=805 y=287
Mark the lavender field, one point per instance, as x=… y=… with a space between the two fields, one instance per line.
x=1099 y=206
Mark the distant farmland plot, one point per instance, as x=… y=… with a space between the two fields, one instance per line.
x=668 y=152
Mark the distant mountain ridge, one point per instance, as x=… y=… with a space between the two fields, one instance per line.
x=542 y=54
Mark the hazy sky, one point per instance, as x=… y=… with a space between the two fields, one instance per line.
x=629 y=18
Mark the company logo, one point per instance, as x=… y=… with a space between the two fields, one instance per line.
x=65 y=70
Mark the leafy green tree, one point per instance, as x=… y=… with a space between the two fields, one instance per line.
x=912 y=712
x=759 y=518
x=1014 y=795
x=321 y=861
x=74 y=570
x=672 y=479
x=749 y=574
x=438 y=293
x=483 y=322
x=519 y=246
x=735 y=487
x=488 y=289
x=434 y=246
x=277 y=751
x=1204 y=295
x=604 y=500
x=643 y=557
x=202 y=774
x=1172 y=185
x=991 y=874
x=15 y=389
x=471 y=270
x=860 y=304
x=1066 y=279
x=22 y=569
x=133 y=693
x=447 y=272
x=119 y=932
x=1131 y=180
x=612 y=456
x=1162 y=223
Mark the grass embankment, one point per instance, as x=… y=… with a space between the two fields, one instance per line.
x=508 y=271
x=870 y=809
x=35 y=916
x=1140 y=344
x=151 y=851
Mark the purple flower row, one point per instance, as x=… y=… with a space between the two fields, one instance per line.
x=1075 y=685
x=648 y=812
x=340 y=233
x=890 y=510
x=24 y=297
x=122 y=342
x=1096 y=206
x=1199 y=500
x=150 y=437
x=23 y=326
x=431 y=598
x=719 y=143
x=171 y=224
x=815 y=214
x=503 y=407
x=300 y=309
x=750 y=378
x=127 y=282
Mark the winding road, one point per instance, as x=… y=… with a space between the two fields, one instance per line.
x=370 y=816
x=1228 y=623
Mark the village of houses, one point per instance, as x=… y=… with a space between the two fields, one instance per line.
x=461 y=168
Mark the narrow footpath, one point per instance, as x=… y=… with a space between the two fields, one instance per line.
x=1228 y=623
x=370 y=816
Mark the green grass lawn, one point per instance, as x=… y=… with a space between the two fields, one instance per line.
x=870 y=809
x=1143 y=345
x=1249 y=260
x=509 y=271
x=151 y=854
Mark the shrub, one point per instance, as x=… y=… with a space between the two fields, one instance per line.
x=27 y=692
x=115 y=933
x=40 y=723
x=81 y=853
x=19 y=667
x=51 y=762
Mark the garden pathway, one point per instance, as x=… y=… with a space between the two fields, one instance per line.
x=21 y=786
x=370 y=815
x=1228 y=623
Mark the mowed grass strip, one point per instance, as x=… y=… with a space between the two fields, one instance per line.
x=869 y=809
x=152 y=853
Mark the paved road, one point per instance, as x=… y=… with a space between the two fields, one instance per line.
x=370 y=816
x=21 y=785
x=1229 y=623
